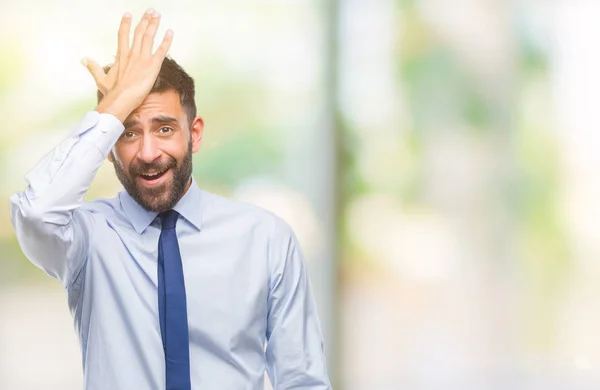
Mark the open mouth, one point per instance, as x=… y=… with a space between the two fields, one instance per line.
x=152 y=178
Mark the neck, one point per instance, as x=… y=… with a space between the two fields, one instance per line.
x=189 y=184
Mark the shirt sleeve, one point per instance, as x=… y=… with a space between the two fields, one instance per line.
x=51 y=227
x=295 y=354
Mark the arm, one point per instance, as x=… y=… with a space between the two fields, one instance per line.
x=295 y=356
x=52 y=229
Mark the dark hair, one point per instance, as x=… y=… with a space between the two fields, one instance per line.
x=172 y=77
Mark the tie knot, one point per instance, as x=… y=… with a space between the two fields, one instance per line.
x=168 y=219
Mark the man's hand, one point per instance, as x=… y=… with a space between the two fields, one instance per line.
x=135 y=70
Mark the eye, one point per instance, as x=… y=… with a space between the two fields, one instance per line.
x=128 y=134
x=165 y=130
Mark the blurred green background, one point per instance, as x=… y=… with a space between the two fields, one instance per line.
x=437 y=160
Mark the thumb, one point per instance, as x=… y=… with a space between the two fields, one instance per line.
x=96 y=71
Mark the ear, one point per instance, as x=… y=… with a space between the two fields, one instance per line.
x=111 y=157
x=196 y=133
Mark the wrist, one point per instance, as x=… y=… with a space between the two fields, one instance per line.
x=116 y=104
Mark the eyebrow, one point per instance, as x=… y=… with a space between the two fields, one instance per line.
x=160 y=119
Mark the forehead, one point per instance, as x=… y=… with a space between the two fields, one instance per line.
x=158 y=103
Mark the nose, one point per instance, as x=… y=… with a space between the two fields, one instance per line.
x=149 y=150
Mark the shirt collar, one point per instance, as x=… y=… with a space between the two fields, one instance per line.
x=188 y=207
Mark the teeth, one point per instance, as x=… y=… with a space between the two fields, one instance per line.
x=152 y=174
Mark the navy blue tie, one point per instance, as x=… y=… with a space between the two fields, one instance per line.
x=172 y=307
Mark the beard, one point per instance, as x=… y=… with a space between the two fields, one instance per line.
x=165 y=196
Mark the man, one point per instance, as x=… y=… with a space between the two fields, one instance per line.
x=170 y=286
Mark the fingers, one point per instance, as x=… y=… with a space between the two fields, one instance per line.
x=96 y=71
x=162 y=50
x=123 y=41
x=139 y=32
x=148 y=38
x=143 y=40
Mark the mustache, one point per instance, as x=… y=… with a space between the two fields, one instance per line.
x=139 y=168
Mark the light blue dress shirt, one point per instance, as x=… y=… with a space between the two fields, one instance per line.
x=245 y=278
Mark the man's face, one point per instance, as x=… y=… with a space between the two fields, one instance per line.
x=153 y=156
